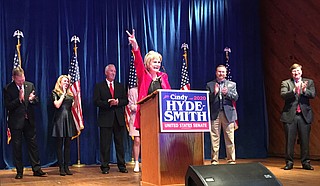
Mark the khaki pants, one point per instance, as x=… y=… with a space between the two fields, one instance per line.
x=228 y=133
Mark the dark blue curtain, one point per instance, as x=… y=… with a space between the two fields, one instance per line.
x=208 y=26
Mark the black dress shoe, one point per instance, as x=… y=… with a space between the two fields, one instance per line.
x=62 y=172
x=39 y=173
x=288 y=166
x=68 y=172
x=307 y=167
x=123 y=170
x=19 y=176
x=105 y=171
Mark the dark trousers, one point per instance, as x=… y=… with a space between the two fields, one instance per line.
x=29 y=134
x=63 y=151
x=299 y=126
x=105 y=144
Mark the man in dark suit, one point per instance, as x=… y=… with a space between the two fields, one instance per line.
x=297 y=115
x=111 y=98
x=20 y=98
x=222 y=94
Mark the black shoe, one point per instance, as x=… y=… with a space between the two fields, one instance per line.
x=19 y=176
x=68 y=172
x=105 y=171
x=62 y=172
x=288 y=166
x=39 y=173
x=307 y=166
x=123 y=170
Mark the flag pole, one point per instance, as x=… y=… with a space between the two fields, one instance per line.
x=185 y=84
x=227 y=50
x=185 y=48
x=18 y=34
x=76 y=39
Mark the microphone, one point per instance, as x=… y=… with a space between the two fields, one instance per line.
x=164 y=70
x=158 y=78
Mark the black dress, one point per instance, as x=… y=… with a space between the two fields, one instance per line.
x=63 y=123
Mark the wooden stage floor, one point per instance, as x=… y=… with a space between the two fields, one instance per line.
x=91 y=175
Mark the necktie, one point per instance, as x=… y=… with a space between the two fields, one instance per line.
x=21 y=89
x=111 y=90
x=220 y=96
x=298 y=110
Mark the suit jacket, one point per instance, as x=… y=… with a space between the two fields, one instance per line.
x=107 y=114
x=227 y=100
x=292 y=100
x=17 y=110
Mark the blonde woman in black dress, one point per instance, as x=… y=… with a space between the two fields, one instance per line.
x=63 y=124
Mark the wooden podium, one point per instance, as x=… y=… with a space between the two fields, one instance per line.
x=165 y=157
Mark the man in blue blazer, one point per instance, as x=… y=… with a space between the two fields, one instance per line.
x=20 y=99
x=222 y=94
x=297 y=115
x=111 y=98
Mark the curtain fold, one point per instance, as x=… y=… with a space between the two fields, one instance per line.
x=207 y=26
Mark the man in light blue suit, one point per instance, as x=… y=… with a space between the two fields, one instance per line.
x=223 y=93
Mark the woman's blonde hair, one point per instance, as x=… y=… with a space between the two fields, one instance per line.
x=58 y=89
x=151 y=55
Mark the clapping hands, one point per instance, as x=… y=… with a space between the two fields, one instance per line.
x=304 y=85
x=32 y=96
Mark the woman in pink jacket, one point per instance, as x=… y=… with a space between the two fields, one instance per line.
x=148 y=73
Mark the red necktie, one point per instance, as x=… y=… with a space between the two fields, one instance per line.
x=111 y=90
x=298 y=107
x=21 y=88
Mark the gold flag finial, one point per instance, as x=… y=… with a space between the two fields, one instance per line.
x=18 y=34
x=76 y=40
x=185 y=48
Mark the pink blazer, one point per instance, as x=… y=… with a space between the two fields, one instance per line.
x=144 y=80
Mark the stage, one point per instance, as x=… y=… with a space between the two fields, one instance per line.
x=91 y=175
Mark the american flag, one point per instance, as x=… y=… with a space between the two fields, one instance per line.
x=132 y=75
x=227 y=50
x=74 y=73
x=16 y=63
x=185 y=85
x=132 y=82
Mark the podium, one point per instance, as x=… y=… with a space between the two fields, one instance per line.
x=165 y=156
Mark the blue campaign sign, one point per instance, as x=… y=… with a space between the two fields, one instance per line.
x=184 y=111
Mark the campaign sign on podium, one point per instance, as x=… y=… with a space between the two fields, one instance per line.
x=169 y=147
x=184 y=111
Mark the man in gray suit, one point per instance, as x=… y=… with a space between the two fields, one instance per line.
x=223 y=114
x=297 y=115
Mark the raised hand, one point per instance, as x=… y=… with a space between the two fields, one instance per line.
x=132 y=40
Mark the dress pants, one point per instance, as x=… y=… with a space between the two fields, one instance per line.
x=105 y=144
x=29 y=134
x=303 y=129
x=228 y=132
